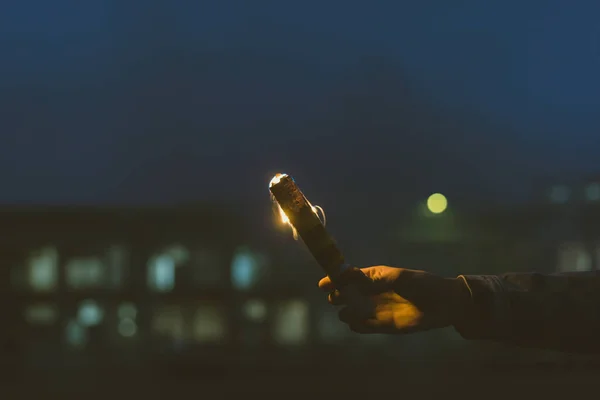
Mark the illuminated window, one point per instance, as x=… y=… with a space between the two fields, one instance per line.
x=116 y=258
x=76 y=334
x=179 y=253
x=127 y=327
x=41 y=314
x=254 y=330
x=247 y=268
x=574 y=257
x=560 y=194
x=89 y=313
x=161 y=273
x=255 y=310
x=85 y=273
x=161 y=268
x=127 y=313
x=169 y=322
x=127 y=310
x=291 y=323
x=209 y=324
x=592 y=192
x=43 y=269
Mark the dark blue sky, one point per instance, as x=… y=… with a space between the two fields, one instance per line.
x=132 y=102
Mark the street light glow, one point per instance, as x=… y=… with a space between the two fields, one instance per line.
x=437 y=203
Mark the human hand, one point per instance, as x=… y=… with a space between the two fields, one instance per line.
x=400 y=301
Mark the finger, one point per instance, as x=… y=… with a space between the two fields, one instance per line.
x=336 y=298
x=326 y=284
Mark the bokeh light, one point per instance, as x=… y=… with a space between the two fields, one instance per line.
x=437 y=203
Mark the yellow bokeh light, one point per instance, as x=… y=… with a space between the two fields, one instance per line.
x=437 y=203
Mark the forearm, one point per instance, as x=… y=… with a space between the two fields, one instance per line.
x=555 y=312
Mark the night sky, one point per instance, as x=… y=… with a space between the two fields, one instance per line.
x=131 y=102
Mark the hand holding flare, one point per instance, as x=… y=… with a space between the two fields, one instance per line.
x=306 y=223
x=377 y=299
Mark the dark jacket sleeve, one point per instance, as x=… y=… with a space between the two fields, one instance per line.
x=553 y=312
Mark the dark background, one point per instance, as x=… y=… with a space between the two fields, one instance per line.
x=135 y=129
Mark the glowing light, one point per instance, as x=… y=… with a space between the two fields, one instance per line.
x=437 y=203
x=291 y=325
x=42 y=314
x=43 y=269
x=276 y=179
x=161 y=273
x=127 y=327
x=89 y=313
x=284 y=218
x=244 y=269
x=85 y=273
x=127 y=310
x=209 y=324
x=255 y=310
x=319 y=212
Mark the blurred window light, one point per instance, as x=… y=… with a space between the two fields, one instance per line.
x=76 y=334
x=117 y=258
x=209 y=324
x=89 y=313
x=127 y=310
x=559 y=194
x=247 y=268
x=41 y=314
x=291 y=325
x=43 y=269
x=179 y=253
x=161 y=273
x=162 y=267
x=88 y=272
x=168 y=321
x=127 y=313
x=127 y=327
x=574 y=257
x=592 y=192
x=437 y=203
x=255 y=310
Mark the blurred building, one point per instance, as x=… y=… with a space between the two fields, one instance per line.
x=87 y=287
x=195 y=287
x=116 y=285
